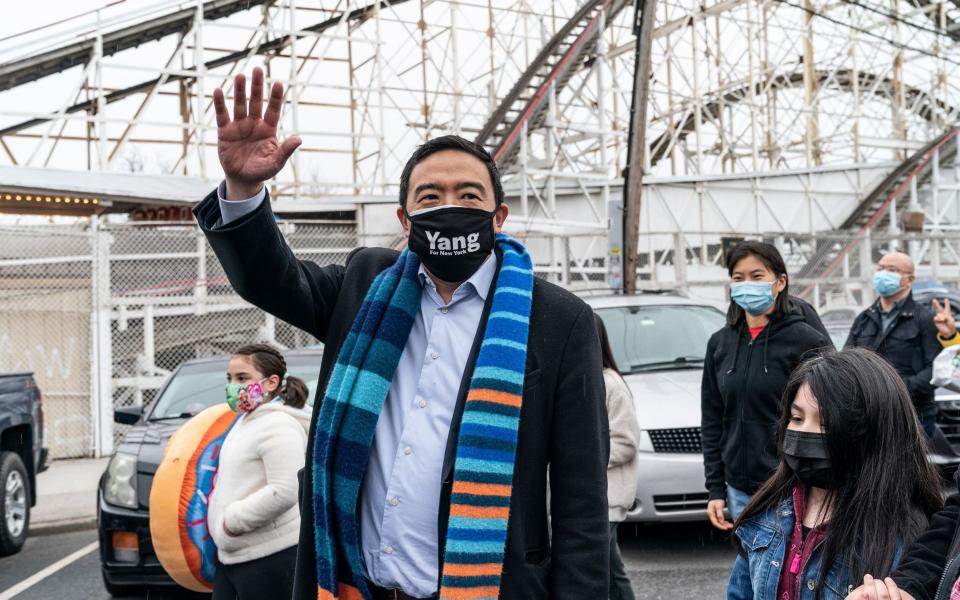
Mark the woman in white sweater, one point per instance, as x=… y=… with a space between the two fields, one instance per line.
x=253 y=515
x=623 y=467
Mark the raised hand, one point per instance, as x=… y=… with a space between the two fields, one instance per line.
x=943 y=319
x=248 y=147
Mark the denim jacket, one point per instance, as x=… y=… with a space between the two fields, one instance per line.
x=764 y=540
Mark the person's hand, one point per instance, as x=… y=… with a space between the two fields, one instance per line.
x=715 y=512
x=248 y=147
x=227 y=531
x=874 y=589
x=943 y=319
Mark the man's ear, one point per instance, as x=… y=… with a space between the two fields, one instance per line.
x=404 y=222
x=501 y=216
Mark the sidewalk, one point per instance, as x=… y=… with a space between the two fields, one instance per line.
x=67 y=496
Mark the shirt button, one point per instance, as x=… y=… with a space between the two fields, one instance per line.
x=811 y=584
x=408 y=450
x=388 y=550
x=423 y=404
x=435 y=355
x=394 y=501
x=444 y=310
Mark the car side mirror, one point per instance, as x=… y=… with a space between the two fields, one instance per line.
x=127 y=415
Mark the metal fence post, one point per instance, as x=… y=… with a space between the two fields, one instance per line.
x=200 y=288
x=847 y=293
x=149 y=341
x=680 y=261
x=935 y=246
x=866 y=269
x=269 y=331
x=101 y=367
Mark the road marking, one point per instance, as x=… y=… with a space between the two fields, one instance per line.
x=41 y=575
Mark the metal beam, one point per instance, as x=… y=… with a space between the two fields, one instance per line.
x=636 y=151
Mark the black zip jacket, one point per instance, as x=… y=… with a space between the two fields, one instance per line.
x=809 y=315
x=741 y=398
x=909 y=344
x=932 y=563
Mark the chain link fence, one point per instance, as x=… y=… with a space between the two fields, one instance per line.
x=46 y=326
x=102 y=314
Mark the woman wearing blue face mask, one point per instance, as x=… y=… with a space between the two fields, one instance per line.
x=745 y=371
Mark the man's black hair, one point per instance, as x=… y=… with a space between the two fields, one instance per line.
x=451 y=142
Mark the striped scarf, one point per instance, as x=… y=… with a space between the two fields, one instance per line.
x=483 y=473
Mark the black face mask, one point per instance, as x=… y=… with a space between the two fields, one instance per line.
x=806 y=454
x=452 y=241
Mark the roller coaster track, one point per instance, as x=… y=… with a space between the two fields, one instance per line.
x=526 y=104
x=952 y=9
x=875 y=208
x=59 y=59
x=10 y=70
x=918 y=100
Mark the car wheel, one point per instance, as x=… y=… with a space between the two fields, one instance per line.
x=14 y=503
x=121 y=591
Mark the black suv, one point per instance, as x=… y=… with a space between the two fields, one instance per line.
x=126 y=550
x=22 y=456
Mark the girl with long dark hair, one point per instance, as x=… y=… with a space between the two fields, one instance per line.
x=253 y=515
x=745 y=370
x=623 y=468
x=852 y=489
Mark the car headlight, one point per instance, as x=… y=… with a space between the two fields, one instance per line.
x=646 y=443
x=120 y=487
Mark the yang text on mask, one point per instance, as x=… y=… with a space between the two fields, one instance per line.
x=445 y=246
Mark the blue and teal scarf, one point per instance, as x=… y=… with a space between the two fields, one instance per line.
x=486 y=448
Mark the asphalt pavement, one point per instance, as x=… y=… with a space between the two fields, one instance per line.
x=664 y=562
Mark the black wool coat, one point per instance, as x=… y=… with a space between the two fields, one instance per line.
x=931 y=564
x=910 y=345
x=563 y=419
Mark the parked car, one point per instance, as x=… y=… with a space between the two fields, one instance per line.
x=840 y=315
x=128 y=561
x=659 y=341
x=22 y=456
x=926 y=295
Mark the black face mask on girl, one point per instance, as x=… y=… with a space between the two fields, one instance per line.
x=452 y=241
x=806 y=454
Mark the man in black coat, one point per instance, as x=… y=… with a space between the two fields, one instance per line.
x=563 y=423
x=903 y=332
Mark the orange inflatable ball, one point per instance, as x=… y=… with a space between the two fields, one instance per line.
x=178 y=498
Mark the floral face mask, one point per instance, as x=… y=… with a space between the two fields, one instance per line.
x=245 y=398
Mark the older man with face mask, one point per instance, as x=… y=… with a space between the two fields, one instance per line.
x=452 y=382
x=901 y=331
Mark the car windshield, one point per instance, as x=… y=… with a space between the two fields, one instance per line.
x=199 y=386
x=645 y=338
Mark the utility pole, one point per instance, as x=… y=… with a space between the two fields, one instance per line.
x=645 y=16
